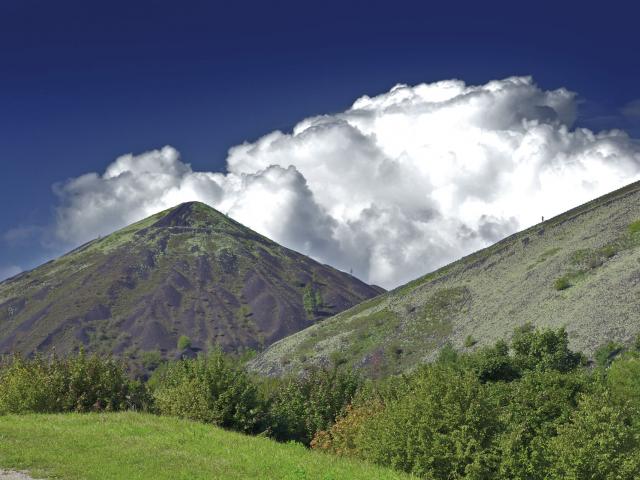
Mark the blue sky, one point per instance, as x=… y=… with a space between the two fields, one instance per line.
x=82 y=83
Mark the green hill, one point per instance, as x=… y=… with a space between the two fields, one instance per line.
x=580 y=269
x=139 y=446
x=190 y=272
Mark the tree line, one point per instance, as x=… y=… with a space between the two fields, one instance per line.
x=530 y=408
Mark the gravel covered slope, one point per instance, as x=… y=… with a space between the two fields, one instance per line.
x=580 y=270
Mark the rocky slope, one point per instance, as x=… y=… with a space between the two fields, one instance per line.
x=580 y=270
x=188 y=271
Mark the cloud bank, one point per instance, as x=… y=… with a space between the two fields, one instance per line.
x=395 y=186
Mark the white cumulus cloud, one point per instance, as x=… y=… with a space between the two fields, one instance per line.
x=393 y=187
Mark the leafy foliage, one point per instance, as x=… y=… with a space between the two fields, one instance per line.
x=601 y=441
x=76 y=384
x=518 y=410
x=210 y=389
x=441 y=428
x=343 y=437
x=532 y=409
x=492 y=364
x=303 y=406
x=544 y=350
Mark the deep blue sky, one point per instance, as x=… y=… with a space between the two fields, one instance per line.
x=83 y=82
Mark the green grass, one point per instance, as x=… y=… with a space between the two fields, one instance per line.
x=142 y=446
x=634 y=227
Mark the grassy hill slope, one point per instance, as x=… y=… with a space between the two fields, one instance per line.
x=138 y=446
x=190 y=271
x=580 y=269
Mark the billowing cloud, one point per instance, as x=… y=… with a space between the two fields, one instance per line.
x=392 y=188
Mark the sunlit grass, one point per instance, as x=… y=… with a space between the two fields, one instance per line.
x=141 y=446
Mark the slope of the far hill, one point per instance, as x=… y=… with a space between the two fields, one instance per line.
x=188 y=271
x=580 y=270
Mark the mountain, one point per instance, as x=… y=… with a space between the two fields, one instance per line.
x=188 y=271
x=580 y=270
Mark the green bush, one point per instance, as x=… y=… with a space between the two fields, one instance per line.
x=532 y=410
x=544 y=349
x=623 y=380
x=344 y=435
x=634 y=227
x=493 y=364
x=602 y=441
x=211 y=389
x=184 y=342
x=442 y=427
x=561 y=283
x=80 y=384
x=305 y=405
x=469 y=341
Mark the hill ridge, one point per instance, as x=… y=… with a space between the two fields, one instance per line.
x=188 y=270
x=483 y=296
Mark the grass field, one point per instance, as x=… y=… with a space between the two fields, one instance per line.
x=133 y=446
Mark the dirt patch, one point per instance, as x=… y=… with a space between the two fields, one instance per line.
x=11 y=475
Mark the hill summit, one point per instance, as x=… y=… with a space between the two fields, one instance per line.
x=189 y=272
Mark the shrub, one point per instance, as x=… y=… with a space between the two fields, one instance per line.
x=81 y=383
x=623 y=380
x=634 y=227
x=305 y=405
x=210 y=389
x=184 y=342
x=309 y=300
x=544 y=349
x=561 y=283
x=493 y=364
x=343 y=436
x=441 y=428
x=533 y=409
x=600 y=441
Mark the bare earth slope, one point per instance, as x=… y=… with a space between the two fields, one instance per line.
x=187 y=271
x=580 y=270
